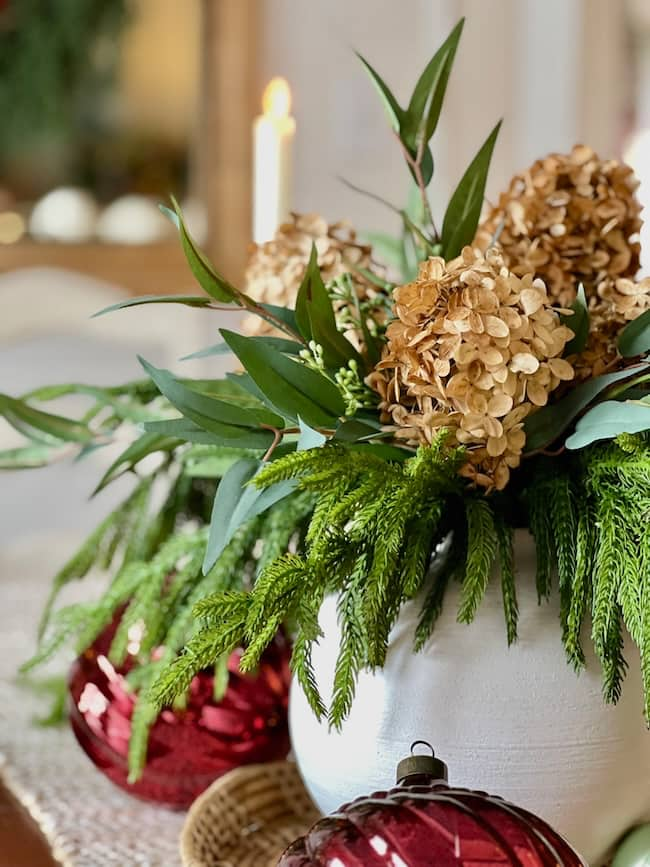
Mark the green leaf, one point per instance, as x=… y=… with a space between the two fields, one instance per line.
x=24 y=417
x=393 y=110
x=316 y=320
x=549 y=423
x=284 y=314
x=388 y=249
x=635 y=337
x=212 y=463
x=205 y=410
x=229 y=493
x=235 y=503
x=578 y=323
x=293 y=388
x=464 y=209
x=187 y=300
x=354 y=430
x=282 y=344
x=425 y=105
x=28 y=457
x=185 y=429
x=607 y=420
x=204 y=271
x=309 y=438
x=146 y=444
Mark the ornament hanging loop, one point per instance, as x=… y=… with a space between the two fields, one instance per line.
x=418 y=768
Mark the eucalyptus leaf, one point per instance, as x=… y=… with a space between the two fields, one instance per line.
x=146 y=444
x=203 y=408
x=186 y=300
x=635 y=337
x=28 y=457
x=607 y=420
x=424 y=108
x=204 y=271
x=578 y=323
x=547 y=424
x=393 y=110
x=316 y=320
x=24 y=418
x=212 y=463
x=296 y=390
x=388 y=249
x=464 y=209
x=237 y=502
x=309 y=438
x=282 y=344
x=230 y=491
x=220 y=435
x=284 y=314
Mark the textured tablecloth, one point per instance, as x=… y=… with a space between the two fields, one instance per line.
x=88 y=821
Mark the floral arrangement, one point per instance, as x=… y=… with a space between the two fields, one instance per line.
x=447 y=384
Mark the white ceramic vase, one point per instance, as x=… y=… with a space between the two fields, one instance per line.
x=517 y=722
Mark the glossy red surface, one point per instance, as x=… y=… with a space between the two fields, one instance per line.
x=425 y=825
x=188 y=749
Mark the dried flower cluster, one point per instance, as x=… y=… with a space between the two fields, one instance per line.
x=573 y=219
x=276 y=268
x=611 y=307
x=568 y=219
x=474 y=349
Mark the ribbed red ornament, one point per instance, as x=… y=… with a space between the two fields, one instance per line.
x=424 y=822
x=188 y=749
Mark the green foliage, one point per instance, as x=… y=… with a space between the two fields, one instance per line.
x=609 y=419
x=590 y=514
x=414 y=127
x=292 y=389
x=416 y=124
x=52 y=70
x=464 y=209
x=549 y=423
x=578 y=322
x=316 y=320
x=372 y=530
x=635 y=337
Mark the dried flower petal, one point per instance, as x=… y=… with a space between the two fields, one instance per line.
x=493 y=374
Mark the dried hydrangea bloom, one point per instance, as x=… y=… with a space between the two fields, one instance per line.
x=573 y=219
x=615 y=303
x=276 y=268
x=474 y=349
x=568 y=219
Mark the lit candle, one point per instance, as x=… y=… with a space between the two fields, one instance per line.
x=273 y=134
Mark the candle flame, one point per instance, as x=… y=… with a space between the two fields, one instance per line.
x=276 y=100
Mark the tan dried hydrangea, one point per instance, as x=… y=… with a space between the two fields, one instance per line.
x=573 y=219
x=276 y=268
x=615 y=303
x=568 y=219
x=474 y=349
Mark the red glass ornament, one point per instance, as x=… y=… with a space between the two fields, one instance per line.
x=188 y=749
x=423 y=822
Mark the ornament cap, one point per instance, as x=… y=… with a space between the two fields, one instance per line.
x=421 y=765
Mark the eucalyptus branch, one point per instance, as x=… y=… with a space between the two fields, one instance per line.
x=415 y=163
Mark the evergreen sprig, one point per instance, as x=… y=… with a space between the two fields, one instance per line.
x=370 y=538
x=590 y=515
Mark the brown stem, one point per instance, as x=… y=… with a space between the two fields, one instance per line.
x=277 y=438
x=416 y=166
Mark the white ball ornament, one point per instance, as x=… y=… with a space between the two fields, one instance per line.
x=132 y=219
x=67 y=215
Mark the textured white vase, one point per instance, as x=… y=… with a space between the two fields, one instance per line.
x=517 y=722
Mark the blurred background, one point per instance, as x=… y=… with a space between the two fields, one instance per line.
x=110 y=106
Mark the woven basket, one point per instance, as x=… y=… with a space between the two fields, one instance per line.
x=247 y=818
